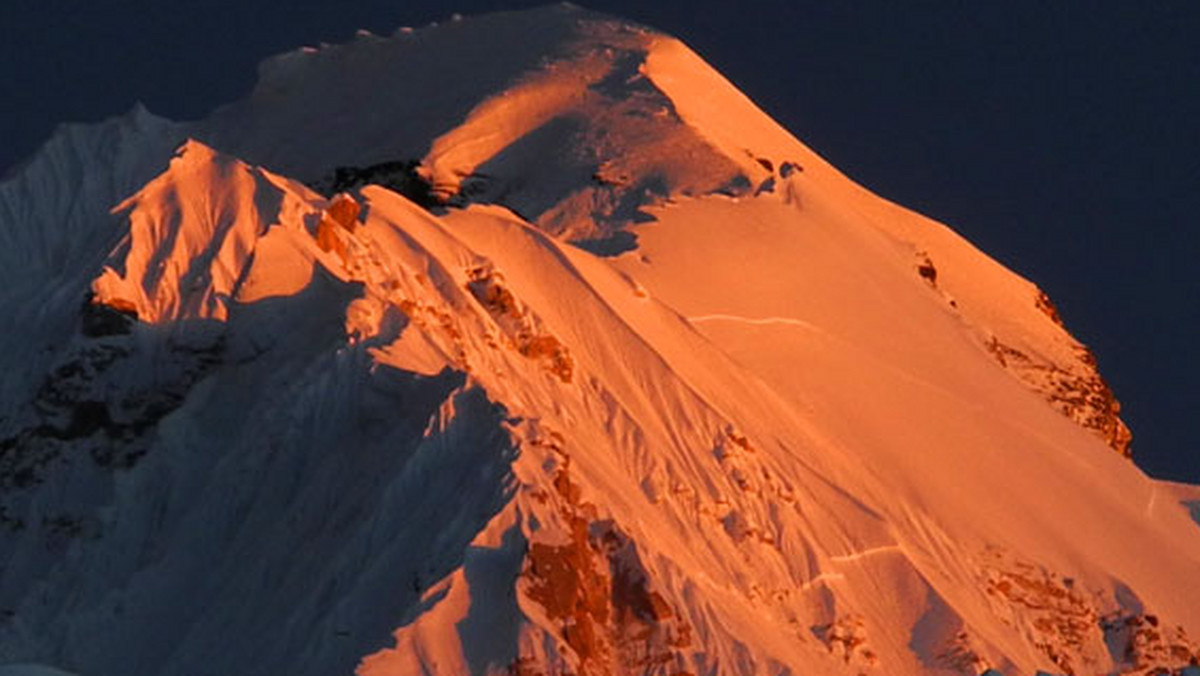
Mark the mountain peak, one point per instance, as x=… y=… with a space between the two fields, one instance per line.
x=193 y=234
x=576 y=363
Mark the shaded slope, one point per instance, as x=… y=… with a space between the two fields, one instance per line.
x=295 y=433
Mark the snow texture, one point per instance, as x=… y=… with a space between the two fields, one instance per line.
x=526 y=344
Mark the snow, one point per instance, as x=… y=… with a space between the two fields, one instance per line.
x=1184 y=495
x=310 y=434
x=195 y=253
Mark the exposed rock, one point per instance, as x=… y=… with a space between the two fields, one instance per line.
x=961 y=656
x=401 y=176
x=1144 y=645
x=926 y=269
x=594 y=588
x=1086 y=399
x=846 y=639
x=522 y=327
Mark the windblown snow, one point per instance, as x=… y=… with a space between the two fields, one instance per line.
x=526 y=344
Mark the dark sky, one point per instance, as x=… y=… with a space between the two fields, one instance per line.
x=1063 y=138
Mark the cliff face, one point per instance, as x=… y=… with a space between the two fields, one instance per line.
x=526 y=344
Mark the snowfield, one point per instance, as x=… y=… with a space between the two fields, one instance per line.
x=526 y=344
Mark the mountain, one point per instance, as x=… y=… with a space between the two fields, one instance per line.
x=526 y=344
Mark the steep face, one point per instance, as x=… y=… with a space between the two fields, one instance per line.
x=53 y=208
x=773 y=428
x=56 y=230
x=208 y=232
x=587 y=127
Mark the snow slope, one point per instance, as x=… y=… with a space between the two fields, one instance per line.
x=618 y=378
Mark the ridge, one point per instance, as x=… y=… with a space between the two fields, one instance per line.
x=577 y=364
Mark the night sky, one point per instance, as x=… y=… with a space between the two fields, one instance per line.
x=1063 y=138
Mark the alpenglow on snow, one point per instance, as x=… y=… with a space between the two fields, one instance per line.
x=526 y=344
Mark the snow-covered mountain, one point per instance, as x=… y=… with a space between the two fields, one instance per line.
x=526 y=344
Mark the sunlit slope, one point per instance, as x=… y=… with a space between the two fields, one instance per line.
x=586 y=120
x=527 y=344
